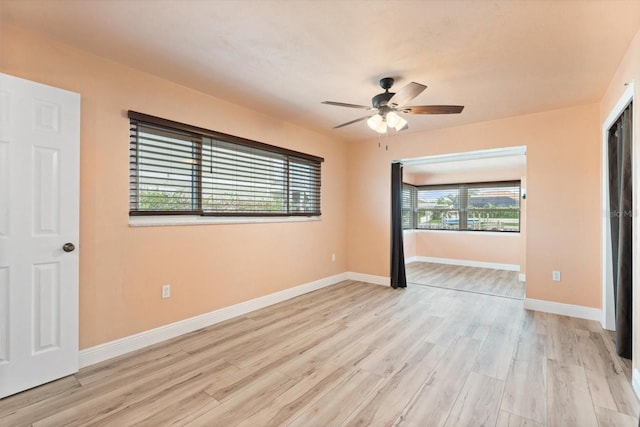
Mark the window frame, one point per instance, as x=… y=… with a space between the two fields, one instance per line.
x=199 y=135
x=462 y=209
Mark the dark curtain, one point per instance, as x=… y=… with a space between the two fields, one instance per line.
x=621 y=210
x=398 y=274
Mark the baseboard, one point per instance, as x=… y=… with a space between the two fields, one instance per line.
x=522 y=277
x=562 y=309
x=411 y=259
x=369 y=278
x=125 y=345
x=635 y=382
x=466 y=263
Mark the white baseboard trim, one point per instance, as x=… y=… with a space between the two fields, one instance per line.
x=410 y=259
x=635 y=382
x=522 y=277
x=134 y=342
x=562 y=309
x=369 y=278
x=466 y=263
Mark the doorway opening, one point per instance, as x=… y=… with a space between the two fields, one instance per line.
x=464 y=221
x=618 y=196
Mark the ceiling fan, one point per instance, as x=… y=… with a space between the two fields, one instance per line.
x=389 y=104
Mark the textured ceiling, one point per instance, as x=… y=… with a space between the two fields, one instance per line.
x=282 y=57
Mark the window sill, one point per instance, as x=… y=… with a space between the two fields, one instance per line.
x=475 y=233
x=172 y=220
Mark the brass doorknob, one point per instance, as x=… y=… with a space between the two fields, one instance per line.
x=68 y=247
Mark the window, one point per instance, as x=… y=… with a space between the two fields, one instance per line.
x=177 y=169
x=408 y=202
x=491 y=206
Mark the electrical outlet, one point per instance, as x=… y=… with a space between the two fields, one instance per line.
x=555 y=276
x=166 y=291
x=333 y=257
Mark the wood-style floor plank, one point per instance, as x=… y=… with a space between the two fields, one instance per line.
x=478 y=403
x=178 y=412
x=433 y=402
x=506 y=419
x=246 y=402
x=96 y=408
x=609 y=418
x=298 y=398
x=608 y=384
x=525 y=389
x=238 y=381
x=391 y=396
x=356 y=354
x=187 y=393
x=471 y=279
x=338 y=402
x=17 y=403
x=568 y=399
x=562 y=345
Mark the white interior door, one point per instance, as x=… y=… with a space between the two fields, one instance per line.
x=39 y=214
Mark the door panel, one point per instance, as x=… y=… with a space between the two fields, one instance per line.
x=46 y=304
x=39 y=204
x=46 y=195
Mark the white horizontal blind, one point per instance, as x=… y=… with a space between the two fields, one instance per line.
x=408 y=206
x=163 y=165
x=242 y=179
x=493 y=206
x=173 y=171
x=304 y=186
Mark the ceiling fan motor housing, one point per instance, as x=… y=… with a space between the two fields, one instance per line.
x=382 y=99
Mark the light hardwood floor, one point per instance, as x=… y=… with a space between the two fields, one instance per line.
x=356 y=354
x=471 y=279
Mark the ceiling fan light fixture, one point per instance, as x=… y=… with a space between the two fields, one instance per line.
x=400 y=125
x=395 y=121
x=392 y=119
x=377 y=123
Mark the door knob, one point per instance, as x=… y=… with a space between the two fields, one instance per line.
x=68 y=247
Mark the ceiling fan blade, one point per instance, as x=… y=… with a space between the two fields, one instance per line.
x=406 y=94
x=432 y=109
x=352 y=122
x=342 y=104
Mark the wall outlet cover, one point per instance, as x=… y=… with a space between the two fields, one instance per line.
x=166 y=291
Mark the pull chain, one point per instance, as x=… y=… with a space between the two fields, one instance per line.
x=386 y=146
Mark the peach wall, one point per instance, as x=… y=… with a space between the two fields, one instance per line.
x=501 y=248
x=563 y=200
x=408 y=177
x=409 y=246
x=628 y=70
x=122 y=268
